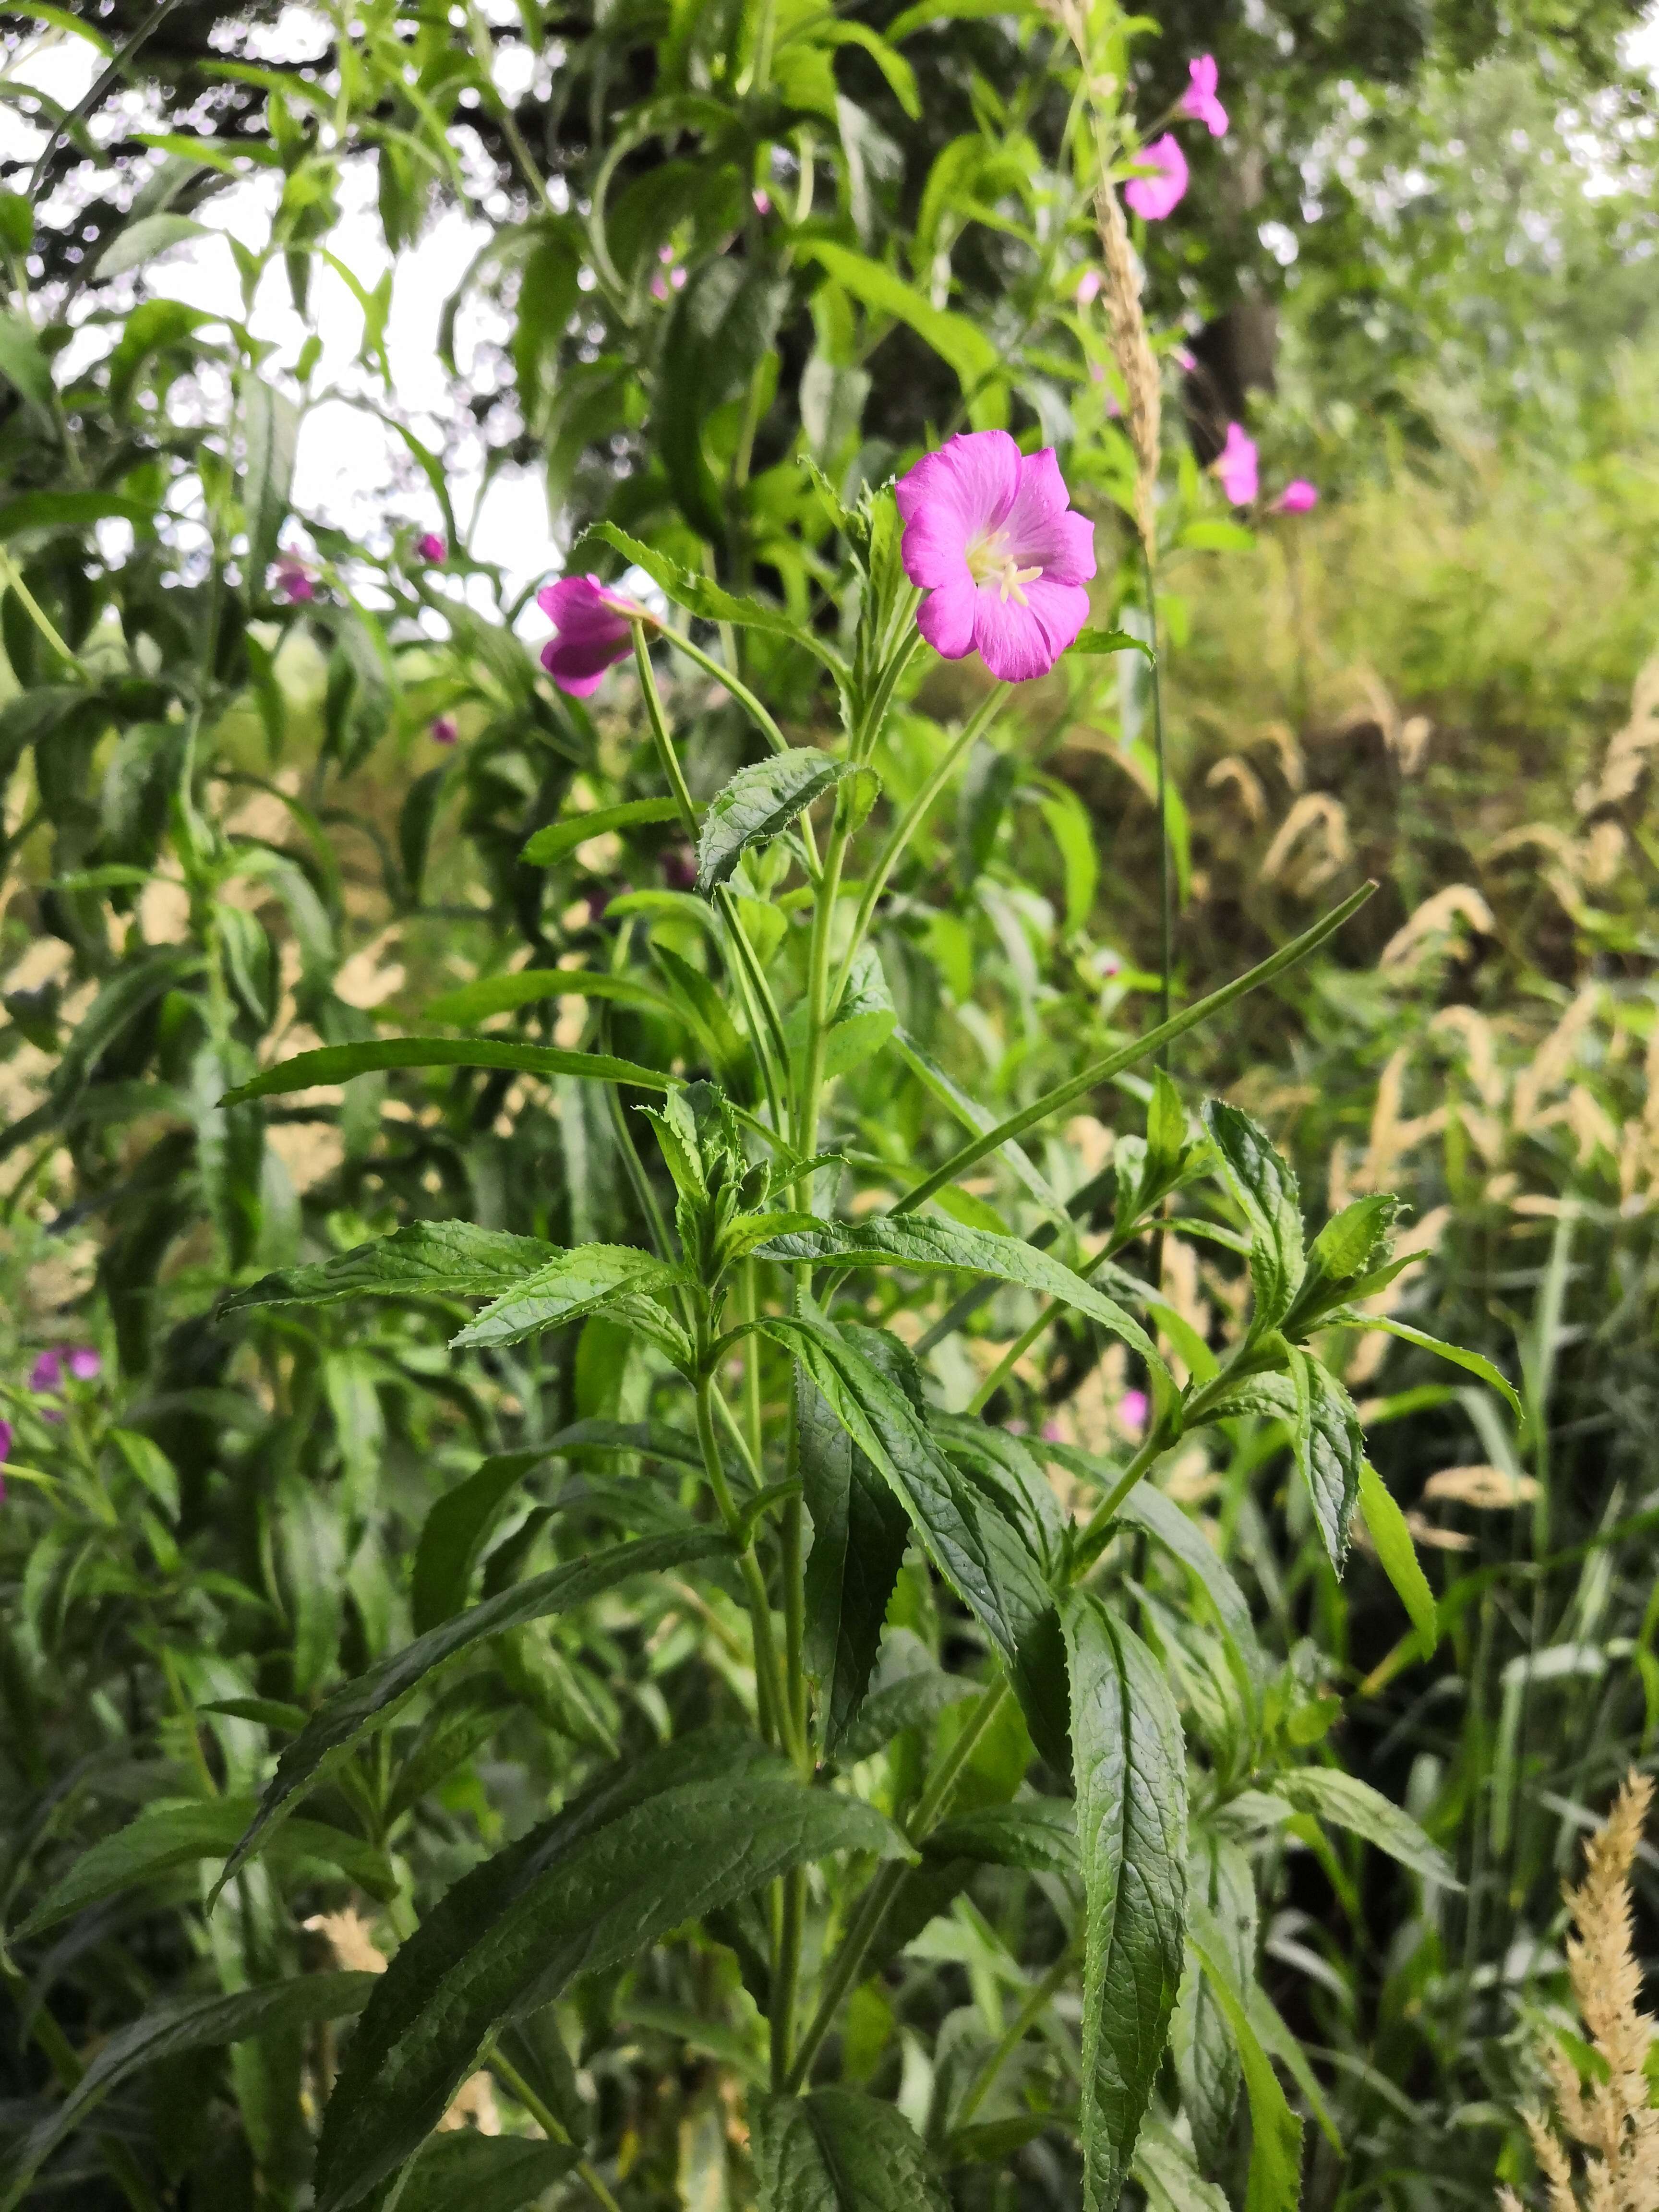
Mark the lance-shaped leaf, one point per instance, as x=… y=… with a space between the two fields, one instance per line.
x=549 y=845
x=1330 y=1794
x=859 y=1531
x=1472 y=1363
x=1112 y=640
x=178 y=1832
x=1037 y=1833
x=525 y=987
x=532 y=1919
x=575 y=1283
x=338 y=1063
x=427 y=1260
x=1130 y=1766
x=1392 y=1541
x=1205 y=2055
x=760 y=801
x=1264 y=1189
x=905 y=1242
x=980 y=1553
x=1330 y=1451
x=1352 y=1247
x=1275 y=2180
x=168 y=2031
x=840 y=2150
x=465 y=2172
x=372 y=1700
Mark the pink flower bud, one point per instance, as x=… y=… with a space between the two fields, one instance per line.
x=1199 y=100
x=48 y=1373
x=443 y=730
x=293 y=579
x=1132 y=1411
x=431 y=547
x=1299 y=497
x=594 y=628
x=84 y=1364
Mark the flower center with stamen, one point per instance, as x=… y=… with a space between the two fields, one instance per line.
x=987 y=564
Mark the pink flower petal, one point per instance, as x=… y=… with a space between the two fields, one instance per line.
x=1235 y=468
x=1013 y=640
x=1200 y=102
x=947 y=616
x=47 y=1372
x=84 y=1364
x=1299 y=497
x=1159 y=194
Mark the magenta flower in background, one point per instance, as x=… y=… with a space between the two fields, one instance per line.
x=1236 y=466
x=1132 y=1410
x=443 y=730
x=84 y=1364
x=293 y=579
x=1199 y=100
x=431 y=547
x=1299 y=497
x=1184 y=359
x=762 y=204
x=47 y=1372
x=675 y=276
x=594 y=629
x=1161 y=193
x=990 y=536
x=1088 y=286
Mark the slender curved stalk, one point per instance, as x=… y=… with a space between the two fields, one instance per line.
x=665 y=742
x=906 y=828
x=1102 y=1071
x=844 y=1968
x=549 y=2123
x=1019 y=2028
x=769 y=1680
x=739 y=690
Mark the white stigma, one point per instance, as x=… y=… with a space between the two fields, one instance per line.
x=987 y=564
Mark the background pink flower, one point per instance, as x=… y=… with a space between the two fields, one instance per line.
x=293 y=579
x=1297 y=497
x=443 y=730
x=47 y=1372
x=1161 y=193
x=1199 y=100
x=431 y=547
x=1088 y=286
x=84 y=1364
x=594 y=630
x=1236 y=466
x=1132 y=1411
x=990 y=535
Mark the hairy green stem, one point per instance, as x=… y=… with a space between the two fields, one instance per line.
x=872 y=1907
x=768 y=1679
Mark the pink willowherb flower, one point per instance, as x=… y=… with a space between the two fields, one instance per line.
x=47 y=1372
x=1299 y=497
x=594 y=630
x=293 y=580
x=990 y=535
x=84 y=1364
x=443 y=730
x=763 y=203
x=1199 y=100
x=1088 y=286
x=1161 y=193
x=432 y=547
x=1133 y=1408
x=1235 y=467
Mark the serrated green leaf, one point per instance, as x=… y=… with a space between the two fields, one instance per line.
x=840 y=2150
x=1330 y=1451
x=550 y=845
x=1130 y=1765
x=1330 y=1794
x=1275 y=2181
x=1037 y=1833
x=1264 y=1188
x=511 y=1936
x=465 y=2172
x=575 y=1283
x=455 y=1533
x=374 y=1697
x=684 y=585
x=1205 y=2055
x=1472 y=1363
x=427 y=1259
x=1112 y=640
x=760 y=802
x=910 y=1242
x=170 y=2030
x=1394 y=1548
x=914 y=1701
x=981 y=1553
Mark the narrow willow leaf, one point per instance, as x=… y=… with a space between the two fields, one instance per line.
x=929 y=1244
x=575 y=1283
x=1275 y=2180
x=338 y=1063
x=177 y=1831
x=981 y=1553
x=1166 y=2170
x=759 y=802
x=859 y=1532
x=428 y=1258
x=914 y=1701
x=1330 y=1794
x=1037 y=1833
x=372 y=1700
x=168 y=2031
x=999 y=1466
x=951 y=1095
x=1472 y=1363
x=549 y=845
x=1394 y=1548
x=1111 y=640
x=1330 y=1451
x=1264 y=1188
x=546 y=1910
x=1205 y=2055
x=464 y=2171
x=1130 y=1765
x=525 y=987
x=839 y=2150
x=455 y=1533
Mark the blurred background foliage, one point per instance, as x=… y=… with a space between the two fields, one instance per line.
x=1420 y=266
